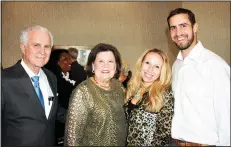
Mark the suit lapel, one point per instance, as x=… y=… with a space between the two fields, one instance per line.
x=28 y=88
x=53 y=88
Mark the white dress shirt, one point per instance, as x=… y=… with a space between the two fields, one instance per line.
x=201 y=86
x=44 y=86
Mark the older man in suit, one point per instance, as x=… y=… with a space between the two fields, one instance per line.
x=29 y=99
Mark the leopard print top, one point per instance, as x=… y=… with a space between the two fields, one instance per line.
x=147 y=128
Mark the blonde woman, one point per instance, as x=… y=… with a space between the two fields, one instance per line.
x=149 y=101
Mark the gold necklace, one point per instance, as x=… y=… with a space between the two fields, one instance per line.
x=106 y=87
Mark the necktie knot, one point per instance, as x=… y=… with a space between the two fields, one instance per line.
x=35 y=79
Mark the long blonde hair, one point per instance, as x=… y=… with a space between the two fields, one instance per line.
x=155 y=94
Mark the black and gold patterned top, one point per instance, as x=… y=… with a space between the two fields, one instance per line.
x=147 y=128
x=96 y=116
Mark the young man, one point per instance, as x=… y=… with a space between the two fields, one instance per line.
x=201 y=85
x=29 y=106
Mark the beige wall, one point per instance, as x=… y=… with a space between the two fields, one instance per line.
x=213 y=20
x=131 y=26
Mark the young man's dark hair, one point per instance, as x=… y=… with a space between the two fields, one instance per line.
x=191 y=15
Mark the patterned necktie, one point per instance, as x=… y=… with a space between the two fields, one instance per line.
x=35 y=79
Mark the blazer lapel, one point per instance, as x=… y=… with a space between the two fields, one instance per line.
x=53 y=88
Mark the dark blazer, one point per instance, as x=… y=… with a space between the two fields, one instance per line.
x=24 y=122
x=77 y=73
x=64 y=89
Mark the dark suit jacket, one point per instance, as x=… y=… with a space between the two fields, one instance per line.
x=24 y=122
x=64 y=89
x=77 y=73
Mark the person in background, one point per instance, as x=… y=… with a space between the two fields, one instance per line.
x=125 y=75
x=60 y=65
x=28 y=113
x=128 y=77
x=149 y=101
x=201 y=86
x=95 y=115
x=77 y=71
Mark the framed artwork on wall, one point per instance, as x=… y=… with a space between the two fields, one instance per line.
x=83 y=52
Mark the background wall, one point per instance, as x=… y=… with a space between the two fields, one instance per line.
x=130 y=26
x=213 y=20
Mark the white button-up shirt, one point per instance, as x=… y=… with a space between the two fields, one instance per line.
x=44 y=86
x=201 y=86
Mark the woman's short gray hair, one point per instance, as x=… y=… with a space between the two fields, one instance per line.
x=24 y=34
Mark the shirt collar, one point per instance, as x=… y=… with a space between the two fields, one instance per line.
x=28 y=70
x=66 y=77
x=194 y=54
